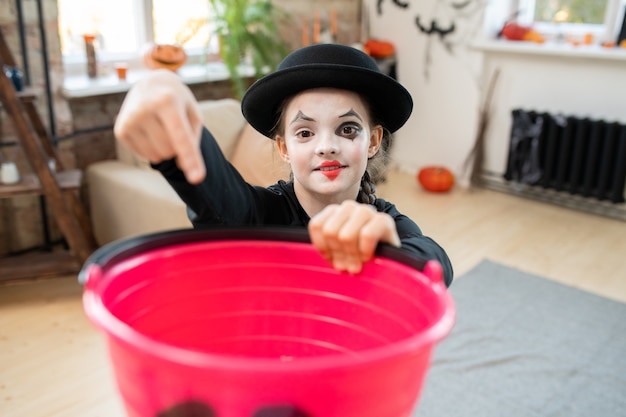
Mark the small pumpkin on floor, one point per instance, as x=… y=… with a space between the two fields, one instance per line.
x=436 y=179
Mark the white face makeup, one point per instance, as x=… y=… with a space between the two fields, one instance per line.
x=327 y=140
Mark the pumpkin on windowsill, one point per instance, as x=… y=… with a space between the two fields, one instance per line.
x=436 y=179
x=167 y=56
x=377 y=48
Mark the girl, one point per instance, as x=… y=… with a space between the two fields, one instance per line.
x=329 y=109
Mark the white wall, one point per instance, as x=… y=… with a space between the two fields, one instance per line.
x=444 y=83
x=566 y=84
x=443 y=126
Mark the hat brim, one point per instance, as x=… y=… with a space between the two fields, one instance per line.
x=390 y=102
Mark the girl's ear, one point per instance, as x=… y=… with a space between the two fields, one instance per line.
x=282 y=148
x=376 y=139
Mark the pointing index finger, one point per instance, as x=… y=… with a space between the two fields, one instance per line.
x=185 y=130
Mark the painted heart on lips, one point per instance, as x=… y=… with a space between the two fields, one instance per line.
x=331 y=169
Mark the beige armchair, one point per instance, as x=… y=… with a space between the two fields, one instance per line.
x=128 y=198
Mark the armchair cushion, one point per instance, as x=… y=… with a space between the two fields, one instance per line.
x=257 y=159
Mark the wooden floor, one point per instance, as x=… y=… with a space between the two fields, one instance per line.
x=53 y=362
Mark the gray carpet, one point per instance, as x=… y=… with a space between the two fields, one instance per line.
x=524 y=346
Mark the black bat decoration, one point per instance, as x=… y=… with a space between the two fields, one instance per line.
x=401 y=4
x=434 y=28
x=463 y=5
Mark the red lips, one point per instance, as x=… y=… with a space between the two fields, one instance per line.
x=331 y=169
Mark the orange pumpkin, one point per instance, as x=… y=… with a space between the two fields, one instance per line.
x=379 y=49
x=436 y=179
x=170 y=57
x=514 y=31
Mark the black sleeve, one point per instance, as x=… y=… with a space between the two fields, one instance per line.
x=223 y=197
x=413 y=240
x=427 y=248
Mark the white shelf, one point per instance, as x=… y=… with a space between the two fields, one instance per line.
x=81 y=86
x=595 y=52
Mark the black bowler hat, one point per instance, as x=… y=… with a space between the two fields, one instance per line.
x=326 y=65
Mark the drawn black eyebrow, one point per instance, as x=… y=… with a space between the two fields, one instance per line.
x=302 y=116
x=351 y=112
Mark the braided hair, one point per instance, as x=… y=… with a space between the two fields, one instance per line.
x=375 y=171
x=366 y=192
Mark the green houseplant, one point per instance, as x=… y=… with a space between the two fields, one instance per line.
x=247 y=31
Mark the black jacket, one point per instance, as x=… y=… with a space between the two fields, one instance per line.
x=224 y=198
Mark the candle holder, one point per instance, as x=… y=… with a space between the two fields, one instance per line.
x=324 y=30
x=16 y=77
x=90 y=51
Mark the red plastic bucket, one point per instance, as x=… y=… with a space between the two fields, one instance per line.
x=253 y=322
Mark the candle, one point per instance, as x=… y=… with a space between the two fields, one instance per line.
x=9 y=173
x=305 y=33
x=333 y=22
x=316 y=28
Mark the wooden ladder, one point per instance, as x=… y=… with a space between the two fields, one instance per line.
x=50 y=179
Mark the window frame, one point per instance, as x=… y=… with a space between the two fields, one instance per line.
x=607 y=31
x=74 y=64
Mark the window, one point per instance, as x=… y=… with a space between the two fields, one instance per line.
x=123 y=27
x=570 y=11
x=601 y=18
x=185 y=23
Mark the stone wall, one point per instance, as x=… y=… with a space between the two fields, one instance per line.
x=83 y=126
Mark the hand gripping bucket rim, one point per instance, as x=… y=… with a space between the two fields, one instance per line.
x=95 y=275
